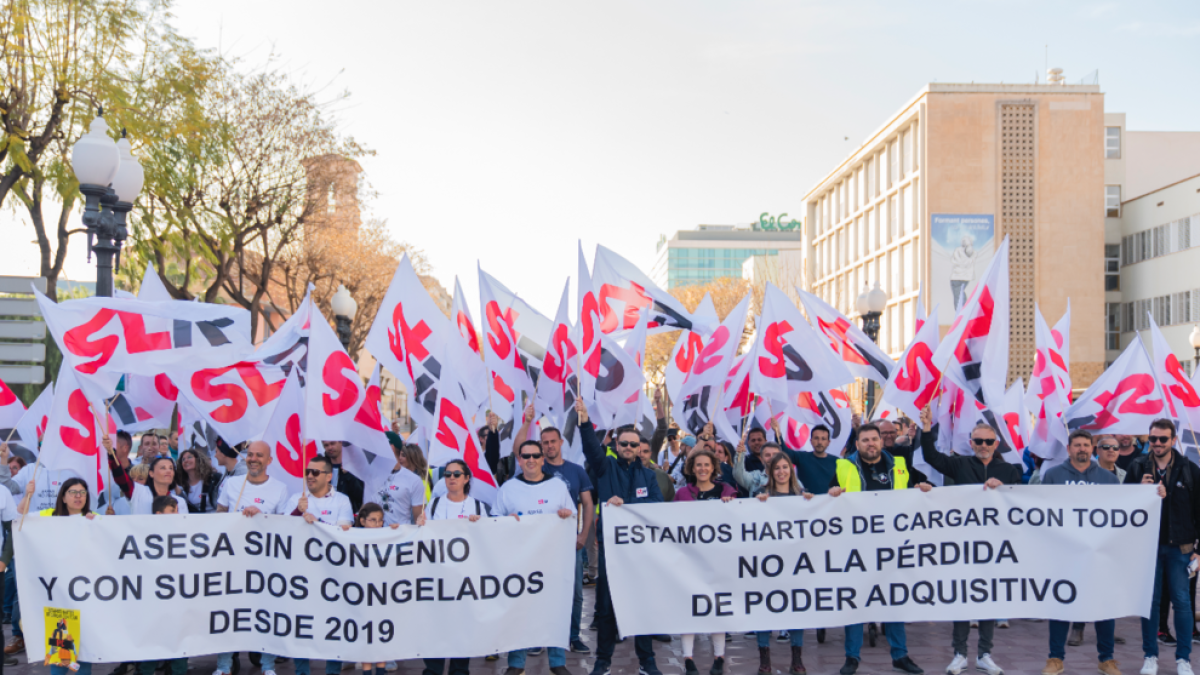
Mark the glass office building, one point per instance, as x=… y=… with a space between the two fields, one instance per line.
x=714 y=251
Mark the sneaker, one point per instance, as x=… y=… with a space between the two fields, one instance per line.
x=602 y=668
x=492 y=657
x=984 y=663
x=1165 y=637
x=11 y=660
x=514 y=671
x=220 y=672
x=1109 y=667
x=578 y=647
x=560 y=670
x=661 y=637
x=1183 y=667
x=752 y=635
x=1118 y=639
x=648 y=669
x=588 y=581
x=689 y=667
x=782 y=637
x=1053 y=667
x=268 y=672
x=906 y=665
x=1150 y=666
x=534 y=651
x=958 y=665
x=718 y=667
x=850 y=667
x=1002 y=624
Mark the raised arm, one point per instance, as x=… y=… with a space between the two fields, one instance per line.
x=592 y=449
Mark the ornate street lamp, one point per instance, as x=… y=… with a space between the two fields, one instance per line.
x=344 y=308
x=870 y=306
x=110 y=179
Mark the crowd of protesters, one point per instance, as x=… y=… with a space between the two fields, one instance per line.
x=621 y=467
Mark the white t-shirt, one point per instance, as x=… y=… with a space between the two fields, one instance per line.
x=8 y=510
x=448 y=510
x=402 y=491
x=269 y=497
x=195 y=492
x=142 y=503
x=519 y=498
x=332 y=509
x=48 y=484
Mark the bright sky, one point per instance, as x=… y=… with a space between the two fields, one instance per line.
x=506 y=131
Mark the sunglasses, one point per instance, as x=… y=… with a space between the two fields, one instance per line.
x=457 y=474
x=525 y=456
x=1109 y=447
x=313 y=473
x=627 y=444
x=1160 y=439
x=984 y=441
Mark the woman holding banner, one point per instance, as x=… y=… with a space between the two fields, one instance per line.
x=457 y=504
x=781 y=482
x=702 y=467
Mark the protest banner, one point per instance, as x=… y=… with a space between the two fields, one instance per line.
x=163 y=587
x=954 y=553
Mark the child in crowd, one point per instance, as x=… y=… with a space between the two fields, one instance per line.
x=371 y=516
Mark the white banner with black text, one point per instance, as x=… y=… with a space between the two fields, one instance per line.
x=159 y=587
x=1074 y=553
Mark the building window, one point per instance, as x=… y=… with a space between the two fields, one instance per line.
x=1112 y=267
x=1112 y=201
x=1112 y=325
x=1112 y=142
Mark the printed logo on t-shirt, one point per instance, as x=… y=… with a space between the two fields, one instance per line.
x=326 y=512
x=259 y=500
x=642 y=492
x=543 y=501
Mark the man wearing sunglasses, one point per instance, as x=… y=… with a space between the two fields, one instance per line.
x=619 y=480
x=1107 y=452
x=987 y=468
x=534 y=492
x=1178 y=481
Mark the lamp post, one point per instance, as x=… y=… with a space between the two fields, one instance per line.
x=110 y=179
x=1194 y=338
x=344 y=308
x=870 y=305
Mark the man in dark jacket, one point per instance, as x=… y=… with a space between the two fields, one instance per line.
x=1178 y=529
x=986 y=468
x=618 y=480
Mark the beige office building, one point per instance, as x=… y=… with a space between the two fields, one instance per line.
x=929 y=196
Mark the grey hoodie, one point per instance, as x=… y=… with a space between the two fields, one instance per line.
x=1067 y=474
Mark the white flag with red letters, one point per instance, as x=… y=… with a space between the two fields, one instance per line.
x=623 y=291
x=287 y=435
x=1125 y=399
x=1183 y=404
x=914 y=381
x=863 y=358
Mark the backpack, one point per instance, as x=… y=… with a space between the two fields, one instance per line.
x=433 y=507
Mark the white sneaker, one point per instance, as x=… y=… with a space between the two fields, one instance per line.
x=218 y=671
x=391 y=666
x=1150 y=666
x=958 y=665
x=1001 y=624
x=985 y=663
x=1183 y=667
x=268 y=672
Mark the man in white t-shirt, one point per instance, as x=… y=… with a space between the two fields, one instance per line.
x=533 y=492
x=403 y=495
x=321 y=503
x=252 y=494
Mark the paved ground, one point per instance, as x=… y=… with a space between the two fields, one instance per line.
x=1020 y=650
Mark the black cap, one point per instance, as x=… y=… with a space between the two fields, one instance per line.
x=224 y=449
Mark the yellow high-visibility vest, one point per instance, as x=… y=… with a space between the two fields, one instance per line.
x=851 y=481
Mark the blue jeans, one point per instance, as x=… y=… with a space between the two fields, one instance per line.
x=10 y=590
x=796 y=636
x=84 y=669
x=606 y=621
x=577 y=604
x=303 y=667
x=1105 y=640
x=16 y=608
x=895 y=637
x=1170 y=571
x=557 y=656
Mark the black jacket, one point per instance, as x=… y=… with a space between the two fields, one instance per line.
x=1181 y=508
x=615 y=477
x=351 y=486
x=964 y=470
